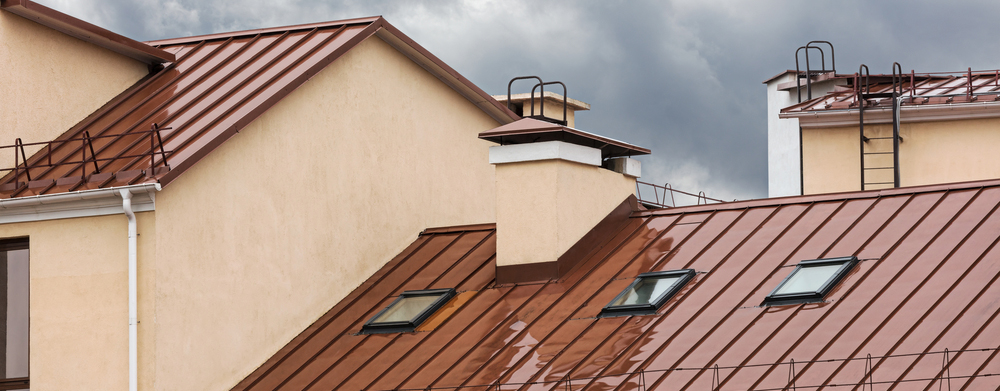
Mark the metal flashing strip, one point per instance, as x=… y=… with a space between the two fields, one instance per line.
x=883 y=115
x=548 y=150
x=86 y=203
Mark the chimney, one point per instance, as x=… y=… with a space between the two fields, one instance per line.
x=552 y=189
x=549 y=105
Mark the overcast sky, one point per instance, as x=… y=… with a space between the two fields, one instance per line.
x=682 y=78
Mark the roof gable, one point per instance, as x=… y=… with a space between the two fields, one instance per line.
x=219 y=84
x=927 y=281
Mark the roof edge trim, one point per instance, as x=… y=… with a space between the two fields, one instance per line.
x=418 y=54
x=85 y=203
x=883 y=115
x=86 y=32
x=252 y=32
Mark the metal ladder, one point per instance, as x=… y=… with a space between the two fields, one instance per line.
x=879 y=151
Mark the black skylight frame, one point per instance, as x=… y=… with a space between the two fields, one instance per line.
x=684 y=275
x=371 y=327
x=775 y=299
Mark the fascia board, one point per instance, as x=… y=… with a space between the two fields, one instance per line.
x=908 y=114
x=86 y=203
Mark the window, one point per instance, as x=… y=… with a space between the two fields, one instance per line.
x=647 y=293
x=810 y=281
x=407 y=312
x=14 y=314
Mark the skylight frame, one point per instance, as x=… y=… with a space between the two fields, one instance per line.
x=372 y=327
x=776 y=299
x=684 y=275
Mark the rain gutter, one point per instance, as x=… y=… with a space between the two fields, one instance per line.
x=100 y=202
x=85 y=203
x=877 y=115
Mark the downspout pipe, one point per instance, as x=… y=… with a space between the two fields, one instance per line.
x=133 y=324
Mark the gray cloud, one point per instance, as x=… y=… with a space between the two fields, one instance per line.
x=680 y=77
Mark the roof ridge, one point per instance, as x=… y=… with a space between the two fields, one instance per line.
x=251 y=32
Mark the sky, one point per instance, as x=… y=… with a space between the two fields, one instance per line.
x=682 y=78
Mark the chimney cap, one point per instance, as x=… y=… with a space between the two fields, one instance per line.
x=528 y=130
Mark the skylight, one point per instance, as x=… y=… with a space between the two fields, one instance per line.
x=407 y=312
x=810 y=281
x=647 y=293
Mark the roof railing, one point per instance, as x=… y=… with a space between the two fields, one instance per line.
x=44 y=156
x=666 y=196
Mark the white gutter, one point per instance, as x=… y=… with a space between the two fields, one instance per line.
x=883 y=115
x=133 y=328
x=85 y=203
x=100 y=202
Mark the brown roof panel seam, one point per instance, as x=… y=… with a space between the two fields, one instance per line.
x=933 y=272
x=886 y=287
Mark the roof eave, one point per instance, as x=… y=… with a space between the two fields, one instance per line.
x=908 y=114
x=86 y=32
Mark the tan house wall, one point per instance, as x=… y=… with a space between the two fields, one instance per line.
x=272 y=229
x=545 y=207
x=930 y=153
x=953 y=151
x=79 y=300
x=52 y=81
x=830 y=161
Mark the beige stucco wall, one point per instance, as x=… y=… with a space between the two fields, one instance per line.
x=930 y=152
x=953 y=151
x=830 y=161
x=272 y=229
x=544 y=207
x=51 y=81
x=79 y=300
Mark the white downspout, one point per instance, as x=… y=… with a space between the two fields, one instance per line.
x=133 y=329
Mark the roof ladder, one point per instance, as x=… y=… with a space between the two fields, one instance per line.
x=879 y=148
x=811 y=72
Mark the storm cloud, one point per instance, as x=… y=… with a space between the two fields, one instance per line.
x=682 y=78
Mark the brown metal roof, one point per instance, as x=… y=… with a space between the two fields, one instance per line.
x=529 y=130
x=218 y=85
x=927 y=282
x=918 y=89
x=85 y=31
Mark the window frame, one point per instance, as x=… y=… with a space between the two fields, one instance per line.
x=685 y=276
x=8 y=382
x=371 y=327
x=775 y=299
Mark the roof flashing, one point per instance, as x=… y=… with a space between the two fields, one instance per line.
x=408 y=311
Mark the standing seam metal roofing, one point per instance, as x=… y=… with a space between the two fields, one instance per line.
x=218 y=85
x=927 y=281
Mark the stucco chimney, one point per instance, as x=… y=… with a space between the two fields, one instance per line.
x=552 y=189
x=548 y=104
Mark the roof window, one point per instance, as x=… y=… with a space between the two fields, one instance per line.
x=407 y=312
x=647 y=293
x=810 y=281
